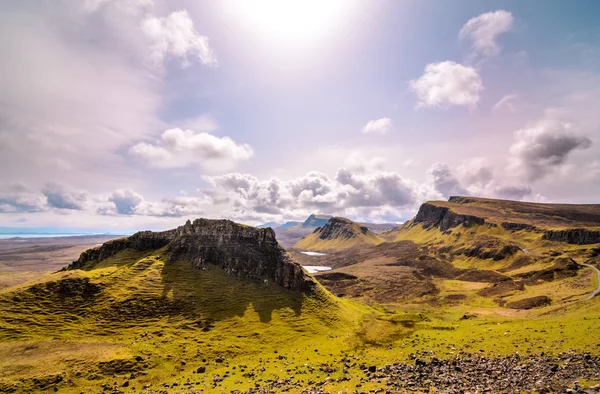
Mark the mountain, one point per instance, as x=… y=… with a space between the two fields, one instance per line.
x=469 y=251
x=288 y=224
x=216 y=306
x=338 y=233
x=198 y=304
x=314 y=221
x=269 y=224
x=289 y=233
x=241 y=251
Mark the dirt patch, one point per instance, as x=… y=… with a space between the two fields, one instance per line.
x=335 y=276
x=530 y=303
x=502 y=288
x=67 y=288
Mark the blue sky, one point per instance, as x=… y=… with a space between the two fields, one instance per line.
x=122 y=114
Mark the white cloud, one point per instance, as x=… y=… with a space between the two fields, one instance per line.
x=183 y=148
x=378 y=126
x=476 y=177
x=355 y=190
x=125 y=201
x=176 y=35
x=447 y=84
x=484 y=29
x=544 y=147
x=60 y=197
x=445 y=182
x=506 y=103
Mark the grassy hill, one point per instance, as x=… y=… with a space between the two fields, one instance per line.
x=143 y=321
x=338 y=234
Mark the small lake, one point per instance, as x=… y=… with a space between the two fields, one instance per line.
x=314 y=253
x=312 y=269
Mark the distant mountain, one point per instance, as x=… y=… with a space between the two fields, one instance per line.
x=269 y=224
x=289 y=224
x=338 y=234
x=291 y=232
x=316 y=221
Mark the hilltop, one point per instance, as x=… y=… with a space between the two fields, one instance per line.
x=338 y=233
x=159 y=307
x=218 y=306
x=289 y=233
x=474 y=251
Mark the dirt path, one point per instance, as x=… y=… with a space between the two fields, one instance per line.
x=597 y=291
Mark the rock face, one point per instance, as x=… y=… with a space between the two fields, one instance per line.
x=340 y=228
x=578 y=236
x=338 y=234
x=316 y=220
x=242 y=251
x=444 y=218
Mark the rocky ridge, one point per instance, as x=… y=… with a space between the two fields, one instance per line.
x=338 y=233
x=242 y=251
x=444 y=218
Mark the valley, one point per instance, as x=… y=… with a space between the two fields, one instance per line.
x=451 y=301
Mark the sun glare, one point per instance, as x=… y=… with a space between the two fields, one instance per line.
x=292 y=20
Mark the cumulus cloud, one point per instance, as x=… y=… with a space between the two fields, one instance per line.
x=21 y=202
x=506 y=103
x=353 y=191
x=476 y=177
x=175 y=35
x=183 y=148
x=59 y=197
x=447 y=84
x=445 y=182
x=483 y=30
x=129 y=202
x=125 y=201
x=378 y=126
x=540 y=149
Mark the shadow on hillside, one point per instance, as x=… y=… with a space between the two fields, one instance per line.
x=213 y=295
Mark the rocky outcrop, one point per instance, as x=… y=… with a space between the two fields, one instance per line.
x=316 y=221
x=510 y=226
x=341 y=228
x=578 y=236
x=530 y=303
x=241 y=251
x=444 y=218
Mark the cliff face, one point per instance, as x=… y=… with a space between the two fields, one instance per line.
x=578 y=236
x=242 y=251
x=444 y=218
x=338 y=234
x=340 y=228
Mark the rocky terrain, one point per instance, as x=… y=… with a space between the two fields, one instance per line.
x=460 y=299
x=289 y=233
x=338 y=233
x=242 y=251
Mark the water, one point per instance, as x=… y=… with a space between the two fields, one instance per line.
x=315 y=268
x=314 y=253
x=24 y=235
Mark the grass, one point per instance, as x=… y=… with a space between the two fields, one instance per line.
x=175 y=319
x=338 y=239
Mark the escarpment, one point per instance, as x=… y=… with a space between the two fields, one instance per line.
x=444 y=218
x=341 y=228
x=578 y=236
x=338 y=234
x=241 y=251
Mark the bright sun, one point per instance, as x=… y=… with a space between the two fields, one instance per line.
x=292 y=20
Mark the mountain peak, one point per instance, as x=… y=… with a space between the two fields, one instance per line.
x=338 y=233
x=241 y=251
x=316 y=220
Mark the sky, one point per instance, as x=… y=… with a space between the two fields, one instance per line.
x=119 y=115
